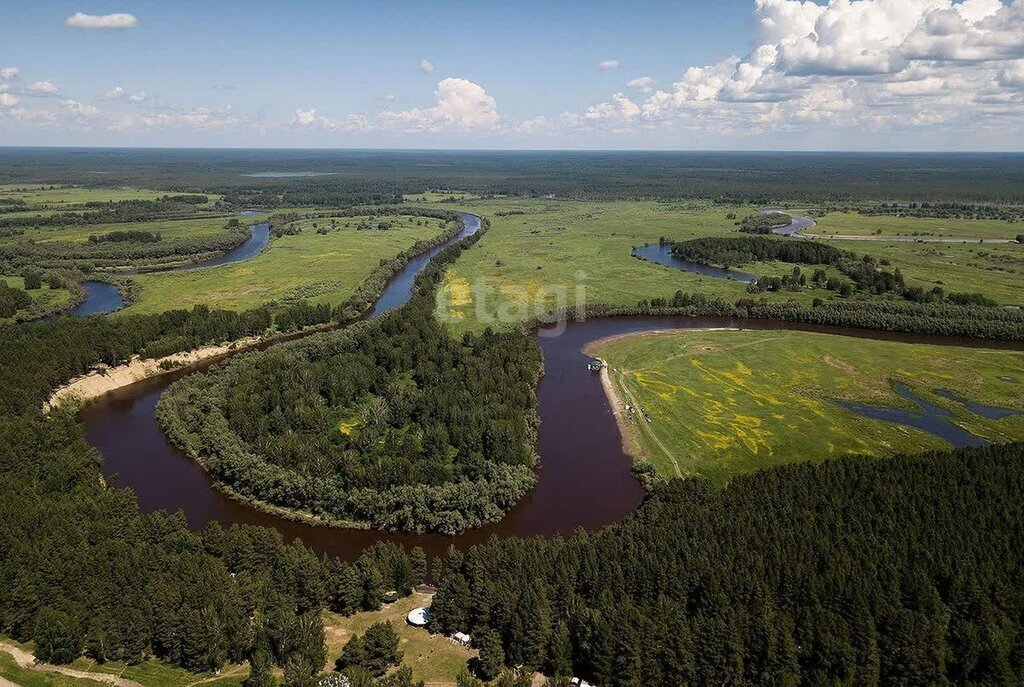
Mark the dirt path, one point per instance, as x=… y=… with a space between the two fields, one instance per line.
x=26 y=660
x=630 y=430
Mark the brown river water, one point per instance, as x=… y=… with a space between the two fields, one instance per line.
x=584 y=477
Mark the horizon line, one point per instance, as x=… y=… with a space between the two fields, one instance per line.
x=530 y=150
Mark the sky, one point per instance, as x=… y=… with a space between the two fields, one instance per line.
x=933 y=75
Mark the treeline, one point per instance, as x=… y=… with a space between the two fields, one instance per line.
x=135 y=235
x=389 y=422
x=40 y=356
x=761 y=178
x=119 y=249
x=108 y=212
x=938 y=319
x=867 y=273
x=312 y=191
x=12 y=300
x=83 y=573
x=764 y=222
x=853 y=571
x=946 y=210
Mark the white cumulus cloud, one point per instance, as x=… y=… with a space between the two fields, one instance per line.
x=869 y=65
x=641 y=83
x=119 y=93
x=42 y=89
x=608 y=64
x=80 y=108
x=461 y=106
x=109 y=22
x=8 y=73
x=426 y=66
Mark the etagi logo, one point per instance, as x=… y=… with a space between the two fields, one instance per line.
x=493 y=304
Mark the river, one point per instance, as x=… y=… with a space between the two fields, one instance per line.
x=584 y=478
x=102 y=297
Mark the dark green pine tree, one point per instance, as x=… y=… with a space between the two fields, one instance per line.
x=381 y=646
x=560 y=650
x=261 y=664
x=372 y=585
x=347 y=593
x=418 y=565
x=448 y=612
x=530 y=630
x=57 y=636
x=492 y=654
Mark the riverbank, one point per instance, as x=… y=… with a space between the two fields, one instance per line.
x=104 y=380
x=718 y=404
x=629 y=414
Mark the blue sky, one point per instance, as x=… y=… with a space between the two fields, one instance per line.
x=738 y=74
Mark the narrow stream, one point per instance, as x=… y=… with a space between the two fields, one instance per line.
x=930 y=418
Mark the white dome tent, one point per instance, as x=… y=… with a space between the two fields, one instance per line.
x=418 y=617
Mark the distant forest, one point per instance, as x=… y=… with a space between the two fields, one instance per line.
x=353 y=177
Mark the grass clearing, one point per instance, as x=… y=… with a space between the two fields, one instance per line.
x=856 y=224
x=321 y=268
x=541 y=254
x=169 y=229
x=152 y=673
x=434 y=659
x=439 y=197
x=26 y=677
x=726 y=402
x=44 y=299
x=60 y=197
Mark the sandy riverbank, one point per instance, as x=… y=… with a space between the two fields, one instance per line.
x=104 y=380
x=618 y=395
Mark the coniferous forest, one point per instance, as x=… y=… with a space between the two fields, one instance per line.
x=906 y=570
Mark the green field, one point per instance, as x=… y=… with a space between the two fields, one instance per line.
x=44 y=299
x=722 y=402
x=24 y=677
x=856 y=224
x=152 y=673
x=540 y=254
x=433 y=658
x=321 y=268
x=167 y=228
x=560 y=252
x=439 y=197
x=62 y=197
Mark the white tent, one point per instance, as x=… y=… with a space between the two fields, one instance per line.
x=462 y=638
x=418 y=616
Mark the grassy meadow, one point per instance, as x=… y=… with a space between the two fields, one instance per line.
x=540 y=254
x=856 y=224
x=168 y=228
x=722 y=402
x=433 y=658
x=44 y=299
x=321 y=268
x=60 y=197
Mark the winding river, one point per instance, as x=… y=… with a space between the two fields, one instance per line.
x=102 y=297
x=584 y=478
